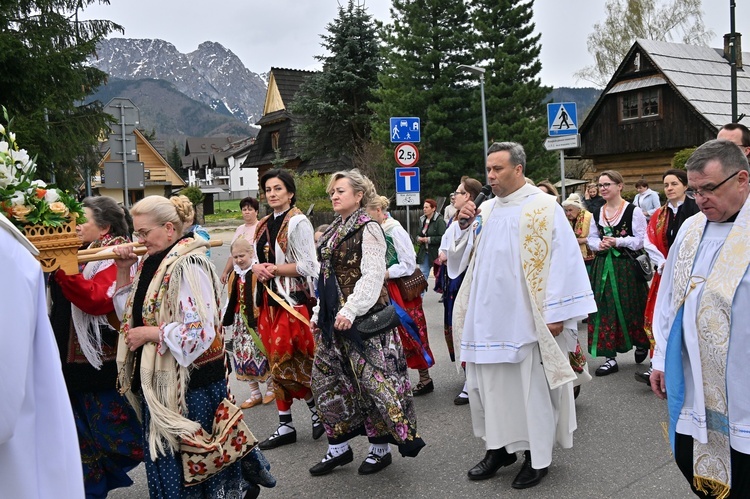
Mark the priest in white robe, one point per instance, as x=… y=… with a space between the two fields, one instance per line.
x=39 y=453
x=701 y=329
x=517 y=316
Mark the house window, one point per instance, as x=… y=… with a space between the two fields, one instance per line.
x=274 y=140
x=242 y=181
x=640 y=104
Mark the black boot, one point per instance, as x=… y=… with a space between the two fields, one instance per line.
x=493 y=460
x=528 y=476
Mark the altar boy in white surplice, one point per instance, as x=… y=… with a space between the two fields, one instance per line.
x=516 y=319
x=39 y=453
x=701 y=329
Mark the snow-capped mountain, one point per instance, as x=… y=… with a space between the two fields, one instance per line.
x=211 y=74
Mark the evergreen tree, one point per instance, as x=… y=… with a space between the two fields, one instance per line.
x=44 y=78
x=515 y=97
x=424 y=44
x=332 y=106
x=174 y=158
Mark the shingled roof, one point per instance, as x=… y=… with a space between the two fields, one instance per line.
x=288 y=82
x=700 y=75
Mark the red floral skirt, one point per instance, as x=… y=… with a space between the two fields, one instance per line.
x=289 y=347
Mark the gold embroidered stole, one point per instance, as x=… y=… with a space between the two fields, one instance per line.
x=712 y=461
x=536 y=226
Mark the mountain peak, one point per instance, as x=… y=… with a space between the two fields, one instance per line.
x=211 y=74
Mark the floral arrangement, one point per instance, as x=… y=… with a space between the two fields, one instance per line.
x=24 y=199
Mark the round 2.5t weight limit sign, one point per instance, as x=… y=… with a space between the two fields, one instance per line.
x=406 y=154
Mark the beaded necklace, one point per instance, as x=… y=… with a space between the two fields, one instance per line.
x=609 y=220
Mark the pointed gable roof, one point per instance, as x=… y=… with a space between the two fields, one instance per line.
x=283 y=84
x=700 y=76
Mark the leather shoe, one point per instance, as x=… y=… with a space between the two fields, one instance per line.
x=318 y=430
x=493 y=460
x=644 y=377
x=380 y=462
x=325 y=467
x=528 y=476
x=251 y=402
x=461 y=399
x=640 y=355
x=421 y=389
x=576 y=391
x=609 y=367
x=269 y=397
x=276 y=440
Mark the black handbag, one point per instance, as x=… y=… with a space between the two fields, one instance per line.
x=378 y=320
x=643 y=266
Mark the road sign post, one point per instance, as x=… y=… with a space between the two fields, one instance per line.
x=562 y=124
x=405 y=129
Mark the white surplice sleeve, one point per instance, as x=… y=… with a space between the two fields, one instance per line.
x=367 y=290
x=302 y=248
x=188 y=338
x=407 y=258
x=657 y=259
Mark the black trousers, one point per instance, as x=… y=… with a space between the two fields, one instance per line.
x=740 y=468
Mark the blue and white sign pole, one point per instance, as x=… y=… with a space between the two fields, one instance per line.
x=562 y=120
x=407 y=190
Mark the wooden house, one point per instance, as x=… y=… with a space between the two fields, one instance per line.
x=159 y=178
x=663 y=98
x=275 y=144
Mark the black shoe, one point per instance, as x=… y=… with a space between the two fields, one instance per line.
x=644 y=377
x=325 y=467
x=318 y=430
x=528 y=476
x=253 y=491
x=380 y=462
x=421 y=389
x=640 y=355
x=493 y=461
x=276 y=440
x=609 y=367
x=576 y=391
x=461 y=399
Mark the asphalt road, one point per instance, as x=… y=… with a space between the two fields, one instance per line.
x=620 y=449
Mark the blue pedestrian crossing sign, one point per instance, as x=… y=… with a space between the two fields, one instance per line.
x=407 y=180
x=562 y=118
x=405 y=129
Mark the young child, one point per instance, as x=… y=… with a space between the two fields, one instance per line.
x=250 y=363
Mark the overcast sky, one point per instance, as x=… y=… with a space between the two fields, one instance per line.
x=286 y=33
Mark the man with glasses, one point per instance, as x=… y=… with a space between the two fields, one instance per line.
x=737 y=133
x=700 y=362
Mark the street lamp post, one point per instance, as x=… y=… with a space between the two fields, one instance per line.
x=479 y=71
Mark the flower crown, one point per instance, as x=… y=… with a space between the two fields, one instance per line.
x=25 y=200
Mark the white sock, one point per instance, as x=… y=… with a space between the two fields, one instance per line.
x=286 y=425
x=335 y=450
x=464 y=392
x=379 y=450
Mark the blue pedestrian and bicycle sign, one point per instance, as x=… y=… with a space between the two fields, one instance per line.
x=405 y=129
x=562 y=119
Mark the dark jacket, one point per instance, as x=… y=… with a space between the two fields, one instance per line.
x=435 y=231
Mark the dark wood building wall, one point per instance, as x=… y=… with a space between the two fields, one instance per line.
x=650 y=166
x=676 y=128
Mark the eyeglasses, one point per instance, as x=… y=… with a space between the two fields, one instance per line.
x=459 y=193
x=143 y=234
x=605 y=185
x=705 y=191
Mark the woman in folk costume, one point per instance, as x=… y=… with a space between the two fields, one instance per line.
x=285 y=267
x=660 y=234
x=620 y=293
x=85 y=327
x=361 y=384
x=250 y=362
x=455 y=271
x=432 y=228
x=171 y=351
x=401 y=261
x=580 y=221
